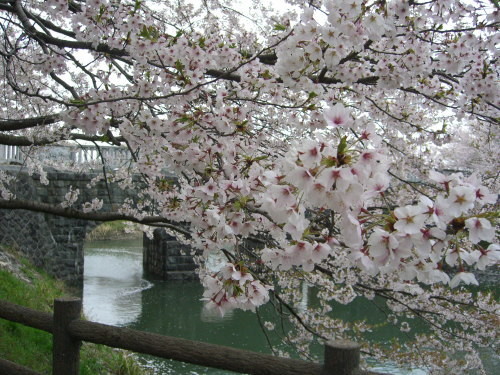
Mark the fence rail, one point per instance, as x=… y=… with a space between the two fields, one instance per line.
x=341 y=357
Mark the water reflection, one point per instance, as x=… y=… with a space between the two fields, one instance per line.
x=175 y=309
x=213 y=316
x=113 y=282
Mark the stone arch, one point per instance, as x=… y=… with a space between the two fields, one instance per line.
x=56 y=243
x=51 y=242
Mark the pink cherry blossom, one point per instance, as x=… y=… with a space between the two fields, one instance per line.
x=338 y=116
x=463 y=277
x=480 y=229
x=341 y=177
x=296 y=225
x=382 y=245
x=301 y=177
x=347 y=145
x=488 y=257
x=437 y=210
x=460 y=200
x=319 y=252
x=410 y=219
x=444 y=180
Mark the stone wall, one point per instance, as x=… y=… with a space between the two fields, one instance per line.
x=51 y=242
x=164 y=258
x=56 y=243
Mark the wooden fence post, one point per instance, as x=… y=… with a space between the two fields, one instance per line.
x=341 y=358
x=66 y=350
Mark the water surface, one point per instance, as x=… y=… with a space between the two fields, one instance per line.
x=115 y=293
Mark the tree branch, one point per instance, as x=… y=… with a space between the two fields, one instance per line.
x=72 y=213
x=18 y=124
x=17 y=140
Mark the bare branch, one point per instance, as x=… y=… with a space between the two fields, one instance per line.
x=72 y=213
x=18 y=124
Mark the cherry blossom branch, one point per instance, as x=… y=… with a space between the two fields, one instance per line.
x=42 y=37
x=72 y=213
x=18 y=140
x=411 y=184
x=399 y=119
x=18 y=124
x=418 y=312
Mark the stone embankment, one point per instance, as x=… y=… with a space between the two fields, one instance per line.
x=51 y=242
x=165 y=258
x=55 y=243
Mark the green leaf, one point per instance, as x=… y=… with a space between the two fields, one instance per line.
x=266 y=75
x=149 y=33
x=144 y=32
x=183 y=118
x=263 y=157
x=329 y=161
x=279 y=27
x=77 y=101
x=341 y=150
x=80 y=103
x=312 y=95
x=179 y=66
x=102 y=10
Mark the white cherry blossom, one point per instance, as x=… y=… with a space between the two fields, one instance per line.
x=338 y=116
x=480 y=229
x=410 y=219
x=463 y=277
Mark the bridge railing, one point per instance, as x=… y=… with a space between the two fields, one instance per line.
x=70 y=155
x=10 y=153
x=341 y=357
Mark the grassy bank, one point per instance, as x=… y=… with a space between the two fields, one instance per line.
x=115 y=230
x=21 y=283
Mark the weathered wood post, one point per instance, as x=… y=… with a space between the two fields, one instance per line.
x=66 y=350
x=341 y=358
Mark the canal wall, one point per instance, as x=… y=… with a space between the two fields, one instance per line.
x=165 y=258
x=55 y=243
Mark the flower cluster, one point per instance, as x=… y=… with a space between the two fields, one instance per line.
x=70 y=197
x=94 y=205
x=233 y=287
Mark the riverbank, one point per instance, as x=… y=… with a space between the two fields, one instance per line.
x=115 y=230
x=23 y=284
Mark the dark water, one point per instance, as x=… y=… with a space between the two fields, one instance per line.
x=115 y=293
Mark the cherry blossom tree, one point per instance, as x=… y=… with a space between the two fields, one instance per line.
x=350 y=145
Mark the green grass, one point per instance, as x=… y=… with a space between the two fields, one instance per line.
x=33 y=348
x=113 y=230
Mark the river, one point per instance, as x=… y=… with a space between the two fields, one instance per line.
x=115 y=293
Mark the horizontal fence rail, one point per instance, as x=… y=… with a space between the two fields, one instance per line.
x=11 y=368
x=341 y=357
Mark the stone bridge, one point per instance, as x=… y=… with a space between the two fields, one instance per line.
x=56 y=243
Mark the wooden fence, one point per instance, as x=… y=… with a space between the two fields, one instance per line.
x=341 y=357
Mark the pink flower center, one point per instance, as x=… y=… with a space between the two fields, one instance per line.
x=337 y=120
